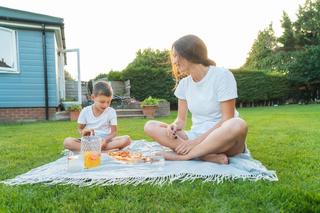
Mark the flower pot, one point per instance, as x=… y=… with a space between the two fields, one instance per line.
x=74 y=115
x=149 y=110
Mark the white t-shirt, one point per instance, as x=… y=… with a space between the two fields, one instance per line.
x=204 y=97
x=101 y=124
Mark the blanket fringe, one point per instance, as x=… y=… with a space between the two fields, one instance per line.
x=139 y=180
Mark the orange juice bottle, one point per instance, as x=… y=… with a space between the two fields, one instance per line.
x=91 y=159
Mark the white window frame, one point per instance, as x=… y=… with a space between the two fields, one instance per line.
x=14 y=54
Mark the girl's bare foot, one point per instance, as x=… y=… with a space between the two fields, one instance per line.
x=216 y=158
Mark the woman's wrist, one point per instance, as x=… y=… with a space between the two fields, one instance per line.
x=195 y=141
x=178 y=125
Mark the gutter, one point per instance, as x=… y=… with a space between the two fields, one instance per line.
x=45 y=66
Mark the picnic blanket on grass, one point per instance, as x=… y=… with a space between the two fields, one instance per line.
x=111 y=172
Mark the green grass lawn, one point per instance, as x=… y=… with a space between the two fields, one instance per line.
x=284 y=138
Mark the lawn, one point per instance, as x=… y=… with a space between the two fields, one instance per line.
x=284 y=138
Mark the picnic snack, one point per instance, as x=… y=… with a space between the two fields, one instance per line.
x=128 y=156
x=91 y=159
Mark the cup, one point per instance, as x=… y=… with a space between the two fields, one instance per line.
x=74 y=162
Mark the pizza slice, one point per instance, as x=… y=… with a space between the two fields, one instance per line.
x=128 y=156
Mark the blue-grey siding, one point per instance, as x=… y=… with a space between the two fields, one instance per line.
x=26 y=89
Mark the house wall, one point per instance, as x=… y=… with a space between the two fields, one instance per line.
x=25 y=114
x=26 y=88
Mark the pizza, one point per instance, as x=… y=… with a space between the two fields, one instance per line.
x=128 y=156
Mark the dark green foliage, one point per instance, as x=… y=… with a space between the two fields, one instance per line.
x=296 y=54
x=255 y=86
x=100 y=76
x=288 y=39
x=261 y=50
x=307 y=26
x=115 y=76
x=150 y=75
x=305 y=69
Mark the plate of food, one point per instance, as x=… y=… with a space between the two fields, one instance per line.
x=130 y=157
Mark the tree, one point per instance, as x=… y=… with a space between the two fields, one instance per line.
x=298 y=52
x=308 y=23
x=260 y=55
x=100 y=76
x=150 y=75
x=288 y=39
x=115 y=76
x=305 y=69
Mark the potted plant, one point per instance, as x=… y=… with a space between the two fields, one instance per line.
x=149 y=106
x=74 y=111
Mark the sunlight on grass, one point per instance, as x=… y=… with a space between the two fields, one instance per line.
x=284 y=138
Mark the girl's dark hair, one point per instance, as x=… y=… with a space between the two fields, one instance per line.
x=193 y=49
x=102 y=88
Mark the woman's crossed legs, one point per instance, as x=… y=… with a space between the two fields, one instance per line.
x=227 y=140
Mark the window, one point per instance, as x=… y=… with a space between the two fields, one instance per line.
x=8 y=51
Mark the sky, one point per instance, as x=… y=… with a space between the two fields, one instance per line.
x=110 y=32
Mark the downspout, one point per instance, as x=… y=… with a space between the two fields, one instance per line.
x=44 y=48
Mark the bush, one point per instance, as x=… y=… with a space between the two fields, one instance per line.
x=115 y=76
x=100 y=76
x=261 y=87
x=74 y=107
x=150 y=101
x=150 y=75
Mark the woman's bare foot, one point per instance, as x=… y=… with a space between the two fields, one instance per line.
x=216 y=158
x=171 y=156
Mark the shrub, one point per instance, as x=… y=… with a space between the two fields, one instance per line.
x=115 y=76
x=74 y=107
x=257 y=86
x=150 y=101
x=150 y=75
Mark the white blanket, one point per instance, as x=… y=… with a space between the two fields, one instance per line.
x=111 y=172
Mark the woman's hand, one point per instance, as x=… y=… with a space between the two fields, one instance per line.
x=185 y=147
x=87 y=132
x=172 y=130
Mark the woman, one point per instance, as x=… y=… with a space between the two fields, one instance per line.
x=209 y=93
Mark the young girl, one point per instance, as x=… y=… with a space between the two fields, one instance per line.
x=99 y=119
